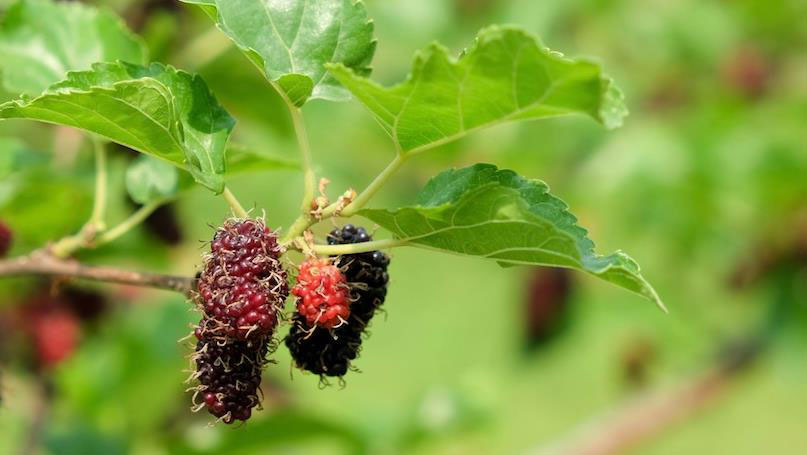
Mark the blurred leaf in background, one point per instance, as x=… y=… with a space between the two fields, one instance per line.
x=706 y=176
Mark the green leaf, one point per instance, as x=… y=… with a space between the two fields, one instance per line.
x=149 y=179
x=496 y=214
x=156 y=110
x=292 y=40
x=507 y=75
x=41 y=40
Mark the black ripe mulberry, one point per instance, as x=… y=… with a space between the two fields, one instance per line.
x=329 y=352
x=243 y=284
x=229 y=373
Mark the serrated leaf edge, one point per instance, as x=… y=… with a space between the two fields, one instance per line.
x=611 y=96
x=255 y=57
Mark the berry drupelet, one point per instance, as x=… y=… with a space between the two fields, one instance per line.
x=329 y=352
x=229 y=373
x=243 y=283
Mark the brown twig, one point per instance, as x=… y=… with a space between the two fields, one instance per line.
x=43 y=263
x=653 y=413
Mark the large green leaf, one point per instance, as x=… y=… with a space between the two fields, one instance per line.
x=157 y=110
x=507 y=75
x=496 y=214
x=292 y=40
x=41 y=40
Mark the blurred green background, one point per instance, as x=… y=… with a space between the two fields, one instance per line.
x=705 y=186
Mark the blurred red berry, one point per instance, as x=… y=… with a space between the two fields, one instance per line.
x=55 y=334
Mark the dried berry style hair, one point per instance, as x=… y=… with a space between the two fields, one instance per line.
x=243 y=284
x=229 y=373
x=330 y=352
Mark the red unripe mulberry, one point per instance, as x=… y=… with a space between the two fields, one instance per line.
x=323 y=296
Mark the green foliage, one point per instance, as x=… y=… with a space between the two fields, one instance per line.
x=279 y=430
x=41 y=40
x=241 y=158
x=507 y=75
x=291 y=41
x=150 y=179
x=496 y=214
x=157 y=110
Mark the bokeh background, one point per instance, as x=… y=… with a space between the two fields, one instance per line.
x=705 y=185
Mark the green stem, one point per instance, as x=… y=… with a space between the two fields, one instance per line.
x=69 y=245
x=238 y=210
x=134 y=219
x=297 y=228
x=368 y=192
x=354 y=248
x=305 y=151
x=97 y=222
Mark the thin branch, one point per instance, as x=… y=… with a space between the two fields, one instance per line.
x=354 y=248
x=649 y=415
x=97 y=222
x=238 y=209
x=305 y=152
x=42 y=263
x=365 y=196
x=89 y=238
x=129 y=223
x=296 y=229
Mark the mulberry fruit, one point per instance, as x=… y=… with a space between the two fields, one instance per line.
x=330 y=352
x=322 y=293
x=5 y=239
x=548 y=305
x=229 y=373
x=243 y=284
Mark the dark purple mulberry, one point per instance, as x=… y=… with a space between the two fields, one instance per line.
x=229 y=373
x=6 y=236
x=329 y=352
x=243 y=284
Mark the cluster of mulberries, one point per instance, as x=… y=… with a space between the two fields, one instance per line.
x=329 y=352
x=240 y=290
